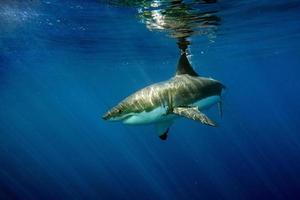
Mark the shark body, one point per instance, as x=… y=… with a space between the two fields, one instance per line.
x=186 y=95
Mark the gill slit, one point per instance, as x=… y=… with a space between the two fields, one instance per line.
x=170 y=102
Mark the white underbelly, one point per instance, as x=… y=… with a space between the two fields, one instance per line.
x=156 y=115
x=159 y=114
x=207 y=102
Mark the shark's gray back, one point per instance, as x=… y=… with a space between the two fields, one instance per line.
x=181 y=90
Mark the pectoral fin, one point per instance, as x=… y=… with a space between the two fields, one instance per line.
x=194 y=114
x=163 y=129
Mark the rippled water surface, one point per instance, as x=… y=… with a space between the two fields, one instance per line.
x=64 y=63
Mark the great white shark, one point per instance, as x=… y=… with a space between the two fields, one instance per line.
x=184 y=95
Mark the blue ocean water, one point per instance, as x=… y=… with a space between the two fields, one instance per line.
x=64 y=63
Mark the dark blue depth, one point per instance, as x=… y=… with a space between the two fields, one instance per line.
x=64 y=63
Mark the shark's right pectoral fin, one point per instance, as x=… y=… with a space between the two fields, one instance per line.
x=194 y=114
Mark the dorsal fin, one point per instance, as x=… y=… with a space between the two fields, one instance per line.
x=184 y=66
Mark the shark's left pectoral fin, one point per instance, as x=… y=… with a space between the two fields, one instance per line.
x=163 y=129
x=194 y=114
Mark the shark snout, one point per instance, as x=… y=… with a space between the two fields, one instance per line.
x=106 y=116
x=113 y=115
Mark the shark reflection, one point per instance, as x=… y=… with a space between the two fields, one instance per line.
x=179 y=19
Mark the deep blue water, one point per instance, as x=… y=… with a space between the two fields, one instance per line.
x=64 y=63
